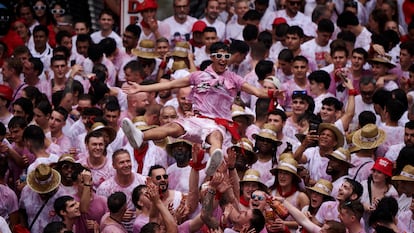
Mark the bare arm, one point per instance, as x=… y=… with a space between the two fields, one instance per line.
x=261 y=92
x=85 y=199
x=298 y=155
x=193 y=193
x=350 y=108
x=133 y=88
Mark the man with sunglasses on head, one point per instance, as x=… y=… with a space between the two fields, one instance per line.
x=213 y=93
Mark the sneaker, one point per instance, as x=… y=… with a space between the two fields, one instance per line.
x=134 y=135
x=214 y=162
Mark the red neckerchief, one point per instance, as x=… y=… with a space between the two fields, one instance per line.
x=139 y=155
x=288 y=194
x=144 y=24
x=244 y=202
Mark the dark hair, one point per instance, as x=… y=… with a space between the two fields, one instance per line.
x=62 y=34
x=250 y=32
x=265 y=37
x=54 y=227
x=361 y=51
x=280 y=113
x=95 y=52
x=326 y=25
x=118 y=152
x=93 y=134
x=320 y=76
x=286 y=55
x=295 y=30
x=332 y=101
x=45 y=107
x=300 y=58
x=153 y=167
x=61 y=49
x=409 y=125
x=366 y=117
x=251 y=15
x=379 y=16
x=386 y=211
x=356 y=187
x=17 y=122
x=34 y=95
x=238 y=46
x=62 y=111
x=134 y=29
x=35 y=135
x=27 y=107
x=60 y=204
x=263 y=69
x=405 y=157
x=335 y=227
x=339 y=49
x=108 y=46
x=135 y=66
x=409 y=46
x=84 y=38
x=106 y=12
x=41 y=28
x=400 y=95
x=15 y=64
x=355 y=207
x=380 y=97
x=116 y=201
x=209 y=29
x=347 y=18
x=150 y=227
x=262 y=104
x=257 y=221
x=112 y=105
x=37 y=65
x=19 y=50
x=216 y=46
x=204 y=64
x=58 y=58
x=136 y=194
x=281 y=29
x=346 y=36
x=395 y=109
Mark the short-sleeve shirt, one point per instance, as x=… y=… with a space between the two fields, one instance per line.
x=8 y=202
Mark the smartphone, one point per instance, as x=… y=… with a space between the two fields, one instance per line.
x=313 y=128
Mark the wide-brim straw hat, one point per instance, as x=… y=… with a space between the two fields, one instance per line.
x=407 y=174
x=179 y=65
x=140 y=123
x=368 y=137
x=246 y=147
x=181 y=49
x=146 y=49
x=268 y=131
x=237 y=111
x=339 y=135
x=252 y=175
x=289 y=165
x=383 y=59
x=111 y=132
x=43 y=179
x=342 y=155
x=174 y=141
x=323 y=187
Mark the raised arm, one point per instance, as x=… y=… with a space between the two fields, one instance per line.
x=261 y=92
x=132 y=87
x=350 y=107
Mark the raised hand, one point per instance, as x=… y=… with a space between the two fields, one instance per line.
x=131 y=88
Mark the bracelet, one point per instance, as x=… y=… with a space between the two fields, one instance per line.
x=162 y=65
x=87 y=185
x=352 y=92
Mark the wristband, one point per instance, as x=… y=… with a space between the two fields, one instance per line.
x=87 y=185
x=162 y=65
x=211 y=191
x=270 y=93
x=352 y=92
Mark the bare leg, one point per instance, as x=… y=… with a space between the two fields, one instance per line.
x=171 y=129
x=215 y=139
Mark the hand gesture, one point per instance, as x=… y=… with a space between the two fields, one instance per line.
x=217 y=180
x=86 y=177
x=153 y=24
x=182 y=211
x=131 y=88
x=152 y=191
x=231 y=158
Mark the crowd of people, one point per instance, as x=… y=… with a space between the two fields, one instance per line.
x=259 y=116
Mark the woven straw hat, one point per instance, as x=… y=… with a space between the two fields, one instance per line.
x=339 y=135
x=140 y=123
x=146 y=49
x=323 y=187
x=237 y=110
x=341 y=154
x=109 y=130
x=383 y=59
x=252 y=175
x=43 y=179
x=407 y=174
x=181 y=49
x=174 y=141
x=289 y=165
x=268 y=131
x=369 y=137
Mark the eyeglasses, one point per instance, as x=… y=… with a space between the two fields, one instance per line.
x=58 y=11
x=221 y=55
x=258 y=197
x=295 y=3
x=38 y=8
x=300 y=92
x=181 y=6
x=165 y=176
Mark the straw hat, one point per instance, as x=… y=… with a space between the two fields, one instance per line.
x=407 y=174
x=237 y=111
x=273 y=80
x=181 y=49
x=323 y=187
x=383 y=165
x=268 y=131
x=109 y=130
x=252 y=175
x=342 y=155
x=140 y=123
x=174 y=141
x=339 y=135
x=146 y=4
x=289 y=165
x=146 y=49
x=383 y=59
x=369 y=137
x=179 y=65
x=285 y=155
x=43 y=179
x=246 y=146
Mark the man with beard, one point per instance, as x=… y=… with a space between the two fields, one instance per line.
x=159 y=176
x=179 y=172
x=65 y=166
x=124 y=181
x=180 y=23
x=212 y=11
x=339 y=162
x=394 y=150
x=166 y=95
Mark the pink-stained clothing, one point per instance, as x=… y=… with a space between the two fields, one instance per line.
x=290 y=128
x=45 y=87
x=97 y=208
x=63 y=142
x=76 y=129
x=219 y=26
x=68 y=190
x=155 y=155
x=363 y=164
x=8 y=201
x=275 y=50
x=178 y=178
x=15 y=170
x=394 y=151
x=200 y=55
x=110 y=226
x=318 y=101
x=97 y=37
x=53 y=158
x=99 y=174
x=31 y=202
x=213 y=94
x=163 y=29
x=406 y=219
x=289 y=87
x=111 y=71
x=234 y=30
x=394 y=135
x=139 y=222
x=328 y=211
x=316 y=164
x=252 y=79
x=252 y=129
x=316 y=52
x=266 y=177
x=184 y=227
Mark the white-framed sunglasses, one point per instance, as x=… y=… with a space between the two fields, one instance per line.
x=221 y=55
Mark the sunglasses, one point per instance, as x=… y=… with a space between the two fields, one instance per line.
x=258 y=197
x=301 y=92
x=38 y=8
x=295 y=3
x=58 y=11
x=165 y=176
x=221 y=55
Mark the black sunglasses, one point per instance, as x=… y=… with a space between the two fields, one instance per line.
x=292 y=3
x=301 y=92
x=165 y=176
